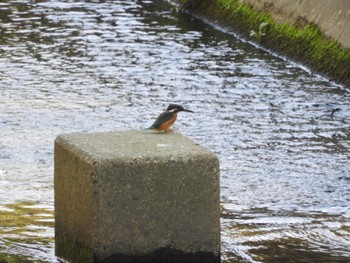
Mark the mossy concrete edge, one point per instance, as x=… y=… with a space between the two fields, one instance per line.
x=72 y=251
x=303 y=41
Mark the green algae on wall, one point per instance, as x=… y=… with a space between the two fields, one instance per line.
x=303 y=41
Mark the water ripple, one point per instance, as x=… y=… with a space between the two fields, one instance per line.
x=280 y=132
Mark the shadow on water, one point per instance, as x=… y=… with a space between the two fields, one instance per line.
x=280 y=132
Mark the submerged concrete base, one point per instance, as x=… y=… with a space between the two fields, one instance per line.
x=136 y=196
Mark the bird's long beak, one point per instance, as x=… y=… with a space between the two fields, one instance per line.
x=187 y=110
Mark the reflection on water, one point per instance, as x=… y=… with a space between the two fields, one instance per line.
x=281 y=133
x=26 y=226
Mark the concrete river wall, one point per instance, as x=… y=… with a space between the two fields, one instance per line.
x=332 y=17
x=315 y=33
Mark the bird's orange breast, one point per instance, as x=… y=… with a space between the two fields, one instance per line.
x=166 y=125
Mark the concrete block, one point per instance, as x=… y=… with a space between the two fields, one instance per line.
x=136 y=196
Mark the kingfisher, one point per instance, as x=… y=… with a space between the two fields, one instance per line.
x=167 y=118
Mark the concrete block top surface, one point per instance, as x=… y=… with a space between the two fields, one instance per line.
x=131 y=144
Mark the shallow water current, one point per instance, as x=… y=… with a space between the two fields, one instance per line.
x=282 y=134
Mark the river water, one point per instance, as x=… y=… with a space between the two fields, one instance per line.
x=282 y=134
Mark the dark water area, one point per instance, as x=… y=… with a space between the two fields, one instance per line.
x=282 y=134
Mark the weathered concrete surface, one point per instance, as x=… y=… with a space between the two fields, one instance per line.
x=132 y=194
x=332 y=16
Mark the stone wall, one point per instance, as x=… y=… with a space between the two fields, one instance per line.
x=315 y=33
x=331 y=16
